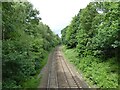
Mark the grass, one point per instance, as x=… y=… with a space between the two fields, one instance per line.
x=34 y=81
x=43 y=62
x=0 y=64
x=97 y=72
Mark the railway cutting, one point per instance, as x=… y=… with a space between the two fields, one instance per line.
x=59 y=73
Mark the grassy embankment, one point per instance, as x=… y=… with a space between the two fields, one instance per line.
x=35 y=81
x=97 y=72
x=0 y=64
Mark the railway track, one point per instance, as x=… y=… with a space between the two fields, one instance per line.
x=61 y=74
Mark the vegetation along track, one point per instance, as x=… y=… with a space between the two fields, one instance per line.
x=60 y=74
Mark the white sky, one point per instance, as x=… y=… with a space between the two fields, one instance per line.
x=57 y=14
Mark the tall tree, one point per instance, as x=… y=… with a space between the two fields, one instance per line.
x=26 y=41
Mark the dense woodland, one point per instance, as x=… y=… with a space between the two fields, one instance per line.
x=94 y=34
x=92 y=44
x=26 y=44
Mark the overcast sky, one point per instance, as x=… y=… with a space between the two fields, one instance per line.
x=57 y=14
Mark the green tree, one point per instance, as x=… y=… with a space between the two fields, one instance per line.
x=26 y=41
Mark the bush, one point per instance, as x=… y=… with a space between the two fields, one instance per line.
x=96 y=71
x=26 y=43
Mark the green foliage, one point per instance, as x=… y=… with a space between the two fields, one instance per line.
x=97 y=72
x=69 y=33
x=95 y=30
x=101 y=74
x=33 y=82
x=26 y=43
x=64 y=41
